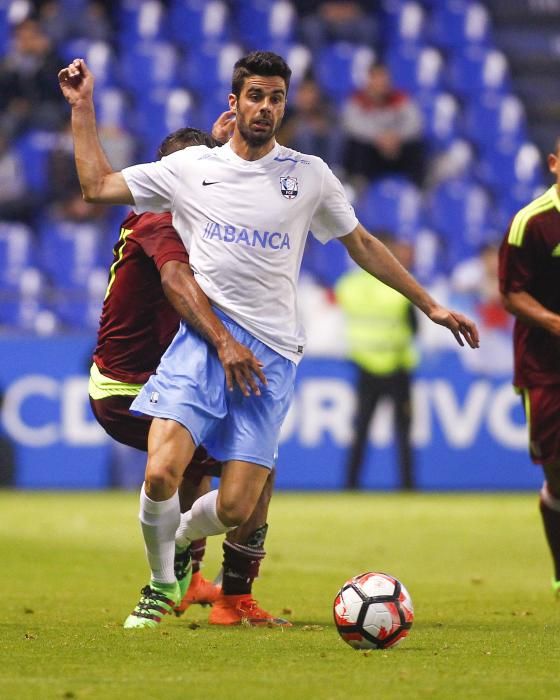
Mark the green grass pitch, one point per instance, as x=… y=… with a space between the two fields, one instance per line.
x=486 y=626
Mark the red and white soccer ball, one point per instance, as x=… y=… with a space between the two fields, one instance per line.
x=373 y=611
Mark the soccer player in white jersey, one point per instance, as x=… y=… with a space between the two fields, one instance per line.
x=244 y=212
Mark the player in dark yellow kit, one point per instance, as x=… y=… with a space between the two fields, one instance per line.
x=530 y=286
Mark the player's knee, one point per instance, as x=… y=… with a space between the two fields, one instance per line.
x=160 y=480
x=232 y=512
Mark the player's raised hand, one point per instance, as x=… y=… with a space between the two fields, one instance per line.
x=458 y=324
x=223 y=126
x=241 y=367
x=76 y=82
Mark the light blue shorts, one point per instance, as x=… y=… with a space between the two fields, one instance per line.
x=189 y=387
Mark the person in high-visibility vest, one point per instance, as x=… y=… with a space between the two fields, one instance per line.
x=381 y=326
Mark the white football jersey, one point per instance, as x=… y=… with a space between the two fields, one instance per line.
x=244 y=224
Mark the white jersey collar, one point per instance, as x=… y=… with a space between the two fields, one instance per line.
x=230 y=154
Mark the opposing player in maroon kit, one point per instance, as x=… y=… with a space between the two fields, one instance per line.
x=150 y=287
x=529 y=271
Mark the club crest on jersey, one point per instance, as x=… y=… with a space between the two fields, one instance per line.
x=289 y=187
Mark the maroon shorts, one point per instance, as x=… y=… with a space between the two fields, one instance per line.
x=542 y=411
x=113 y=415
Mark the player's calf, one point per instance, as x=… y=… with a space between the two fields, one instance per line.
x=236 y=604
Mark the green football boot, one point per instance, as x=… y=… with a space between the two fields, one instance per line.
x=156 y=600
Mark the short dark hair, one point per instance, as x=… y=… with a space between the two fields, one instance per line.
x=187 y=136
x=264 y=63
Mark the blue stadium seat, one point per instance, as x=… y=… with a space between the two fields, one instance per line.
x=514 y=198
x=160 y=112
x=324 y=263
x=492 y=117
x=429 y=256
x=22 y=305
x=404 y=23
x=69 y=251
x=150 y=64
x=392 y=204
x=113 y=107
x=459 y=23
x=210 y=67
x=298 y=57
x=34 y=148
x=21 y=283
x=17 y=252
x=477 y=70
x=509 y=162
x=4 y=28
x=80 y=308
x=112 y=223
x=460 y=212
x=442 y=116
x=417 y=69
x=139 y=21
x=99 y=56
x=193 y=23
x=342 y=68
x=262 y=23
x=211 y=105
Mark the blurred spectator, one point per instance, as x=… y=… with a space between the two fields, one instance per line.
x=478 y=278
x=381 y=326
x=118 y=144
x=29 y=92
x=62 y=177
x=452 y=163
x=73 y=208
x=325 y=21
x=383 y=129
x=63 y=21
x=475 y=290
x=310 y=125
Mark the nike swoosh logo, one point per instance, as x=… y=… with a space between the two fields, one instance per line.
x=205 y=184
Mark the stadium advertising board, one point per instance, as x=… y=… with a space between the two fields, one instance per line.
x=468 y=430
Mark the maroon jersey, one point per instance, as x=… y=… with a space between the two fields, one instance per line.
x=137 y=322
x=530 y=262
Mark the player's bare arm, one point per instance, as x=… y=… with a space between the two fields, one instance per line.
x=98 y=181
x=527 y=309
x=374 y=257
x=241 y=367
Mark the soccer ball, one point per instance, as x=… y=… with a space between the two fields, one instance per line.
x=373 y=611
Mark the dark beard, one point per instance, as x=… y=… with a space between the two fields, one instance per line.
x=255 y=139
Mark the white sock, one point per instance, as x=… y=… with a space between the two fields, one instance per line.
x=200 y=521
x=160 y=520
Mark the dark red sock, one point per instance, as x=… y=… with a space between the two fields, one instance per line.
x=242 y=562
x=198 y=547
x=551 y=522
